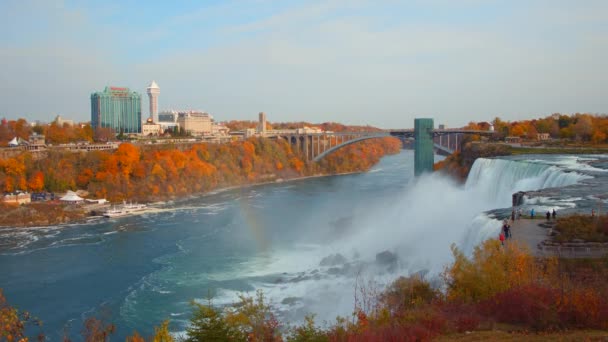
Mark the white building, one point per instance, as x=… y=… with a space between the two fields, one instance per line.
x=61 y=121
x=219 y=129
x=195 y=122
x=150 y=128
x=153 y=91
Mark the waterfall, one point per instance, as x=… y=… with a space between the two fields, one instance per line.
x=417 y=226
x=497 y=179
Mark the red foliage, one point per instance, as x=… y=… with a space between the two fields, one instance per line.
x=530 y=305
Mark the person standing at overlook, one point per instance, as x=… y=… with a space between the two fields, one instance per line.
x=554 y=214
x=519 y=214
x=532 y=213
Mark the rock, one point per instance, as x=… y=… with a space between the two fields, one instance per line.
x=333 y=260
x=290 y=300
x=386 y=258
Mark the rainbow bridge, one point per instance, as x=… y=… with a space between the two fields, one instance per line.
x=427 y=140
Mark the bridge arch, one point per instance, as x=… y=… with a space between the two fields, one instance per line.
x=352 y=141
x=380 y=135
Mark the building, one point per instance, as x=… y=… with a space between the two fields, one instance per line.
x=250 y=132
x=16 y=141
x=219 y=129
x=308 y=130
x=168 y=116
x=542 y=136
x=61 y=121
x=37 y=139
x=195 y=122
x=117 y=108
x=153 y=90
x=150 y=128
x=72 y=198
x=513 y=140
x=262 y=123
x=18 y=198
x=167 y=120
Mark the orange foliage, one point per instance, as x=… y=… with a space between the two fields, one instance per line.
x=147 y=173
x=36 y=182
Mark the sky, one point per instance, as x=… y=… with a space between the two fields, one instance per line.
x=375 y=62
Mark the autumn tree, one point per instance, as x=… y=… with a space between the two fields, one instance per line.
x=36 y=182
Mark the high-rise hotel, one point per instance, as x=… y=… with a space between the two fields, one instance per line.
x=117 y=108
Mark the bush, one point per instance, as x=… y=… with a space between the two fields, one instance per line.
x=530 y=305
x=407 y=293
x=583 y=227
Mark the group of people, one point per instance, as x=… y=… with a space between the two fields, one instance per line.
x=551 y=214
x=506 y=227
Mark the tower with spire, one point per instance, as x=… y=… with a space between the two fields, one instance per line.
x=153 y=90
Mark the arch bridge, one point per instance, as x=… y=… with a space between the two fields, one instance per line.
x=426 y=139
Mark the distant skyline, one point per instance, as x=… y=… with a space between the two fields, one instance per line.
x=381 y=63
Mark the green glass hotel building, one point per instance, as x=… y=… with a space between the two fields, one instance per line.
x=117 y=108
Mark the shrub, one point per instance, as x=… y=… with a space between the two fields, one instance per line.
x=583 y=227
x=407 y=293
x=531 y=305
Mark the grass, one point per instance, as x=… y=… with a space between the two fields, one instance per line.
x=582 y=227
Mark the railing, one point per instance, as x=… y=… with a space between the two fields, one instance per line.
x=573 y=251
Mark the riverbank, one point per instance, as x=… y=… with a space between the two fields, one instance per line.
x=55 y=213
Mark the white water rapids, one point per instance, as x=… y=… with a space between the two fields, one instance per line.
x=418 y=226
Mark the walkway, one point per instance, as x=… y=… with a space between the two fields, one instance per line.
x=529 y=232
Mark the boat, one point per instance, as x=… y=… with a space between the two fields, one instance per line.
x=125 y=209
x=114 y=212
x=130 y=207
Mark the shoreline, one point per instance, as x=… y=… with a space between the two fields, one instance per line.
x=93 y=219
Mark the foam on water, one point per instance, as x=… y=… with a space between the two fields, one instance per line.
x=432 y=213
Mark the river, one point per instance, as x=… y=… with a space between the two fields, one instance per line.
x=305 y=243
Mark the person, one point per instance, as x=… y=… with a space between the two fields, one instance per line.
x=508 y=232
x=553 y=214
x=548 y=216
x=532 y=213
x=502 y=239
x=513 y=215
x=592 y=212
x=519 y=214
x=505 y=224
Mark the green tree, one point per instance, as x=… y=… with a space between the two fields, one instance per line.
x=208 y=324
x=308 y=332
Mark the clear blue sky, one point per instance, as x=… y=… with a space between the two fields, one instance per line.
x=360 y=61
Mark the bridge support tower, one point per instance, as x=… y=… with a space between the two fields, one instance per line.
x=423 y=146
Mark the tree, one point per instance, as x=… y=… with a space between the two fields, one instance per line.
x=583 y=127
x=598 y=137
x=492 y=269
x=208 y=324
x=161 y=334
x=104 y=134
x=136 y=337
x=36 y=182
x=96 y=330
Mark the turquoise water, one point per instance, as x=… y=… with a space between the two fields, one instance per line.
x=137 y=271
x=140 y=270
